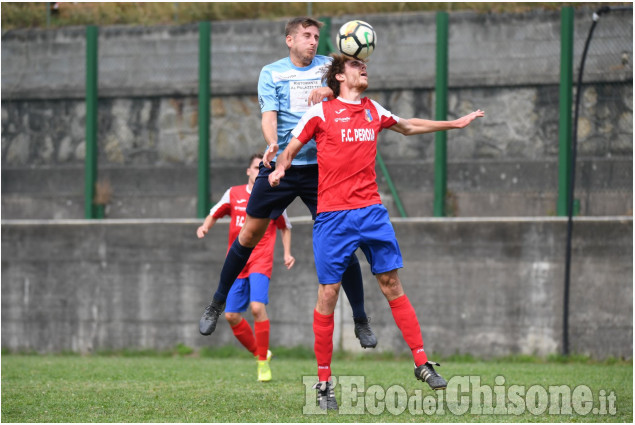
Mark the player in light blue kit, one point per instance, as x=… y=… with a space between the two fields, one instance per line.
x=284 y=98
x=286 y=89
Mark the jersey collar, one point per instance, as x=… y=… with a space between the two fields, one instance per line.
x=350 y=102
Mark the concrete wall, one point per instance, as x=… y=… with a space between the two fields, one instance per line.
x=504 y=165
x=486 y=287
x=485 y=50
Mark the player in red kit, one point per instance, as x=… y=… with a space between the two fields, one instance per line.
x=252 y=286
x=349 y=212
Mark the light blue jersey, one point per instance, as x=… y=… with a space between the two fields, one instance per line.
x=285 y=88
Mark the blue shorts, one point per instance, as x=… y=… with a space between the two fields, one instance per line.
x=269 y=202
x=337 y=234
x=244 y=291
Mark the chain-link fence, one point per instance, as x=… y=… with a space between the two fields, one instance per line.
x=509 y=161
x=504 y=165
x=605 y=124
x=507 y=164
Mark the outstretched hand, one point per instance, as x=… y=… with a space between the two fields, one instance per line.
x=467 y=119
x=269 y=155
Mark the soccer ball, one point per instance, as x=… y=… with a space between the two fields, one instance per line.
x=356 y=39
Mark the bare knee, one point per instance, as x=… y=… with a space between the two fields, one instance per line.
x=259 y=311
x=252 y=231
x=327 y=298
x=233 y=318
x=390 y=285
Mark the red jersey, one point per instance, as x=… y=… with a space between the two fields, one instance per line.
x=234 y=204
x=346 y=136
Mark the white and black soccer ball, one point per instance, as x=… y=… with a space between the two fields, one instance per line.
x=356 y=39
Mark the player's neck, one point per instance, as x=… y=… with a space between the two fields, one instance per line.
x=350 y=94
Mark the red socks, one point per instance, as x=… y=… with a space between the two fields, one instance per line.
x=262 y=339
x=406 y=320
x=258 y=345
x=243 y=333
x=323 y=329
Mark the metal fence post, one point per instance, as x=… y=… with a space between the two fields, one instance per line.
x=90 y=161
x=441 y=94
x=566 y=101
x=204 y=45
x=325 y=47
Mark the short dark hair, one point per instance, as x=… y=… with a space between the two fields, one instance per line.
x=254 y=156
x=336 y=67
x=305 y=21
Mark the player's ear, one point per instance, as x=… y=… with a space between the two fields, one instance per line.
x=339 y=77
x=289 y=41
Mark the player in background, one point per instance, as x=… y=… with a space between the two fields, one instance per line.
x=350 y=212
x=252 y=284
x=286 y=88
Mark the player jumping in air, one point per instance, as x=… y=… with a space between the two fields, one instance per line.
x=286 y=89
x=252 y=285
x=350 y=212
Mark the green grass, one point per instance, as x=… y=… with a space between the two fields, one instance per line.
x=190 y=387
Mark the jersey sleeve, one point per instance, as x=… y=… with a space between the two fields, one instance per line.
x=308 y=124
x=283 y=222
x=222 y=207
x=267 y=92
x=386 y=118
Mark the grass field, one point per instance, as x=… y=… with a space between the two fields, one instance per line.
x=191 y=388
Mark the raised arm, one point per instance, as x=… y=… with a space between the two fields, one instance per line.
x=284 y=161
x=269 y=124
x=412 y=126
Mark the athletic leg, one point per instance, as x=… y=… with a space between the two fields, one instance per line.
x=242 y=331
x=403 y=313
x=239 y=254
x=406 y=320
x=264 y=203
x=353 y=286
x=237 y=301
x=237 y=257
x=323 y=326
x=352 y=281
x=259 y=297
x=261 y=327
